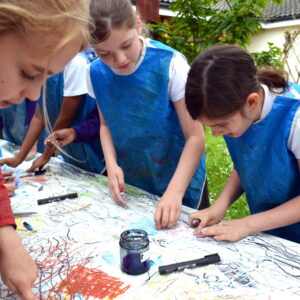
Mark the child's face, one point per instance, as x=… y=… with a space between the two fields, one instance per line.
x=234 y=126
x=121 y=51
x=23 y=61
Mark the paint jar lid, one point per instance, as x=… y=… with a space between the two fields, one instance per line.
x=134 y=239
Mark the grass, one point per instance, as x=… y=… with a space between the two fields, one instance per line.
x=218 y=167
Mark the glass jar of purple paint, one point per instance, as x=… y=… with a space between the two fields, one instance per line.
x=134 y=251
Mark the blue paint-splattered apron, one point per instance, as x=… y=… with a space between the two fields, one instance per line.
x=144 y=124
x=14 y=124
x=267 y=169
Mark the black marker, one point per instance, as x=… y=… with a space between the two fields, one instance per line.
x=57 y=198
x=206 y=260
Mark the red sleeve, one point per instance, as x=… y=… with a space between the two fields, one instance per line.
x=6 y=213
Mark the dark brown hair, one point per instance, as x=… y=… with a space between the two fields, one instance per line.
x=110 y=14
x=220 y=80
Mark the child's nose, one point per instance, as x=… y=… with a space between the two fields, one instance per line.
x=119 y=57
x=32 y=91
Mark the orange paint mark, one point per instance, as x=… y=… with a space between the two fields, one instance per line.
x=91 y=283
x=71 y=211
x=33 y=178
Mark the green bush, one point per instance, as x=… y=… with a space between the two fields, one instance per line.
x=270 y=58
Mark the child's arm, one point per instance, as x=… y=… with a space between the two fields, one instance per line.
x=114 y=172
x=18 y=270
x=169 y=207
x=68 y=110
x=280 y=216
x=9 y=182
x=35 y=128
x=216 y=212
x=88 y=129
x=74 y=88
x=85 y=131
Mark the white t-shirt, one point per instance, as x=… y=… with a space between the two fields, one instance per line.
x=75 y=77
x=294 y=138
x=178 y=72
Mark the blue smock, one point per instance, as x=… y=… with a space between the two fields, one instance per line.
x=89 y=153
x=89 y=54
x=16 y=124
x=268 y=170
x=144 y=124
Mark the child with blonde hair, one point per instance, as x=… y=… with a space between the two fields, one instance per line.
x=48 y=33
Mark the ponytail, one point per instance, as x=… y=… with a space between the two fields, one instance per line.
x=274 y=79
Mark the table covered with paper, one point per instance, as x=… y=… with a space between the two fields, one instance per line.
x=75 y=244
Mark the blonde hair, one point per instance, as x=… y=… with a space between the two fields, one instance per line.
x=58 y=20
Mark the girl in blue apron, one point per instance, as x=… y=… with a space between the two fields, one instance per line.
x=258 y=114
x=147 y=136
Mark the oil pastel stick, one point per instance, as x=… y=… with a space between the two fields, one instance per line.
x=195 y=222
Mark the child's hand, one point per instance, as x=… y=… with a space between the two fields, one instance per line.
x=11 y=187
x=8 y=176
x=232 y=230
x=12 y=161
x=18 y=270
x=39 y=162
x=206 y=217
x=61 y=137
x=116 y=184
x=9 y=182
x=168 y=211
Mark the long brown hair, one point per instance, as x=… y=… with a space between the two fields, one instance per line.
x=108 y=15
x=221 y=78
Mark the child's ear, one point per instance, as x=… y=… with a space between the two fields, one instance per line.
x=252 y=101
x=139 y=25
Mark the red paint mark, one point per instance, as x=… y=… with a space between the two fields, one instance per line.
x=91 y=283
x=33 y=178
x=158 y=160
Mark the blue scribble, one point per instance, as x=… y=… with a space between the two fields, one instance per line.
x=144 y=223
x=79 y=296
x=109 y=258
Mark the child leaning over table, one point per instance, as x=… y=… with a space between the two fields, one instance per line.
x=147 y=136
x=258 y=113
x=67 y=103
x=30 y=32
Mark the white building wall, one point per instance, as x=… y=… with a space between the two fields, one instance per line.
x=275 y=33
